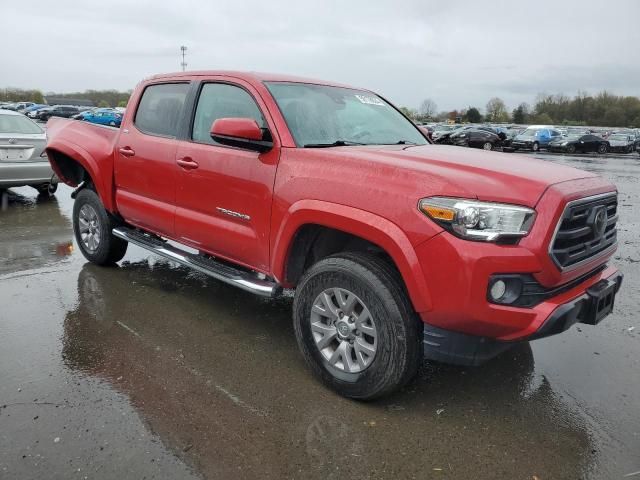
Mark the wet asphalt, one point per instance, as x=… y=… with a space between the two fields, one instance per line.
x=149 y=370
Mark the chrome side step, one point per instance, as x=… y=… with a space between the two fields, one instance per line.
x=245 y=280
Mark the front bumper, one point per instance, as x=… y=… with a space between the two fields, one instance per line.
x=18 y=174
x=520 y=145
x=458 y=348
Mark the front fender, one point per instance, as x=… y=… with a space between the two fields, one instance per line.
x=360 y=223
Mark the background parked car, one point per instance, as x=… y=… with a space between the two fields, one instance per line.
x=33 y=107
x=22 y=143
x=442 y=130
x=579 y=143
x=476 y=137
x=65 y=111
x=42 y=113
x=534 y=138
x=34 y=112
x=621 y=143
x=103 y=116
x=510 y=135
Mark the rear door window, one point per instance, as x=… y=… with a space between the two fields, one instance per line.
x=160 y=108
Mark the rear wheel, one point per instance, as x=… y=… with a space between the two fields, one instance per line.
x=92 y=226
x=535 y=147
x=487 y=146
x=355 y=325
x=571 y=149
x=602 y=148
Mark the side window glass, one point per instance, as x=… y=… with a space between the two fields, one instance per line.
x=160 y=107
x=221 y=100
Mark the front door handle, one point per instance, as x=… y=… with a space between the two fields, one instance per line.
x=187 y=163
x=126 y=152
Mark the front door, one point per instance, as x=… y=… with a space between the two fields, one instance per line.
x=223 y=194
x=145 y=168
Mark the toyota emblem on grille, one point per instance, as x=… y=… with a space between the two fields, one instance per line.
x=599 y=222
x=12 y=141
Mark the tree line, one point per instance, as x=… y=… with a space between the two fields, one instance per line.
x=100 y=98
x=604 y=109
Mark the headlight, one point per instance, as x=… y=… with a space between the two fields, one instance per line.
x=474 y=220
x=564 y=144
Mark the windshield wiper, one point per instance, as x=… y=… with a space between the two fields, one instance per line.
x=337 y=143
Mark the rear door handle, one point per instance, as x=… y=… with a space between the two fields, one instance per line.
x=187 y=163
x=126 y=152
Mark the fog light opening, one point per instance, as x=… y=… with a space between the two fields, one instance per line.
x=498 y=289
x=505 y=290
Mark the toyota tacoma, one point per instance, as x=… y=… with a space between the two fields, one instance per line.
x=397 y=249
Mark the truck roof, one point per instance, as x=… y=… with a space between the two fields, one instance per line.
x=249 y=76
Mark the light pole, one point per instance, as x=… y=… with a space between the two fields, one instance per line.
x=183 y=49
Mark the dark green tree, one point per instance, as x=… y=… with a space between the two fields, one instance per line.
x=473 y=115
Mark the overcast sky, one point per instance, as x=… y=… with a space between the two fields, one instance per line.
x=458 y=53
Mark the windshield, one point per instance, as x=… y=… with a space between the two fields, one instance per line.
x=529 y=132
x=322 y=115
x=17 y=124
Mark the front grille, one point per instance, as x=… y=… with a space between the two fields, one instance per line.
x=580 y=235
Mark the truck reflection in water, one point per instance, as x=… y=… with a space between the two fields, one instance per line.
x=216 y=374
x=33 y=233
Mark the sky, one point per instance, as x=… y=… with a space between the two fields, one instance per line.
x=459 y=53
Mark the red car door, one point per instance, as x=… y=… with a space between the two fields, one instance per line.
x=224 y=194
x=145 y=169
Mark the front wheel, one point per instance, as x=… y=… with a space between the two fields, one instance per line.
x=355 y=325
x=571 y=149
x=535 y=147
x=487 y=146
x=92 y=226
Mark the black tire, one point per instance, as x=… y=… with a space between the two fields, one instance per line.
x=535 y=147
x=110 y=249
x=571 y=149
x=380 y=287
x=487 y=146
x=602 y=148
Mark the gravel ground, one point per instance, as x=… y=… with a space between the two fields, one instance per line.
x=148 y=370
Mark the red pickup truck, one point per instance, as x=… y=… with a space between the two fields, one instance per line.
x=398 y=249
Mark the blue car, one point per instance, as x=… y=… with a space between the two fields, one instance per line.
x=534 y=138
x=33 y=107
x=103 y=116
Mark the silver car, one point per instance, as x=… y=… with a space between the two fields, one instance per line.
x=22 y=158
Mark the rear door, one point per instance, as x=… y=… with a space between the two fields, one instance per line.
x=145 y=168
x=224 y=198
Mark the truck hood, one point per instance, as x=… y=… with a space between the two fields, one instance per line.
x=466 y=172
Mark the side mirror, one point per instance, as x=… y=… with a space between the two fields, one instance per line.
x=241 y=133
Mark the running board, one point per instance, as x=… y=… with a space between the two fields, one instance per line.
x=245 y=280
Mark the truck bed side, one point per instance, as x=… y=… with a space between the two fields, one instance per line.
x=92 y=147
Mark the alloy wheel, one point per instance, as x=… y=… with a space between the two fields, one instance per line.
x=344 y=330
x=89 y=228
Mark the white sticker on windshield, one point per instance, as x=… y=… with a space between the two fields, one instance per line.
x=369 y=100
